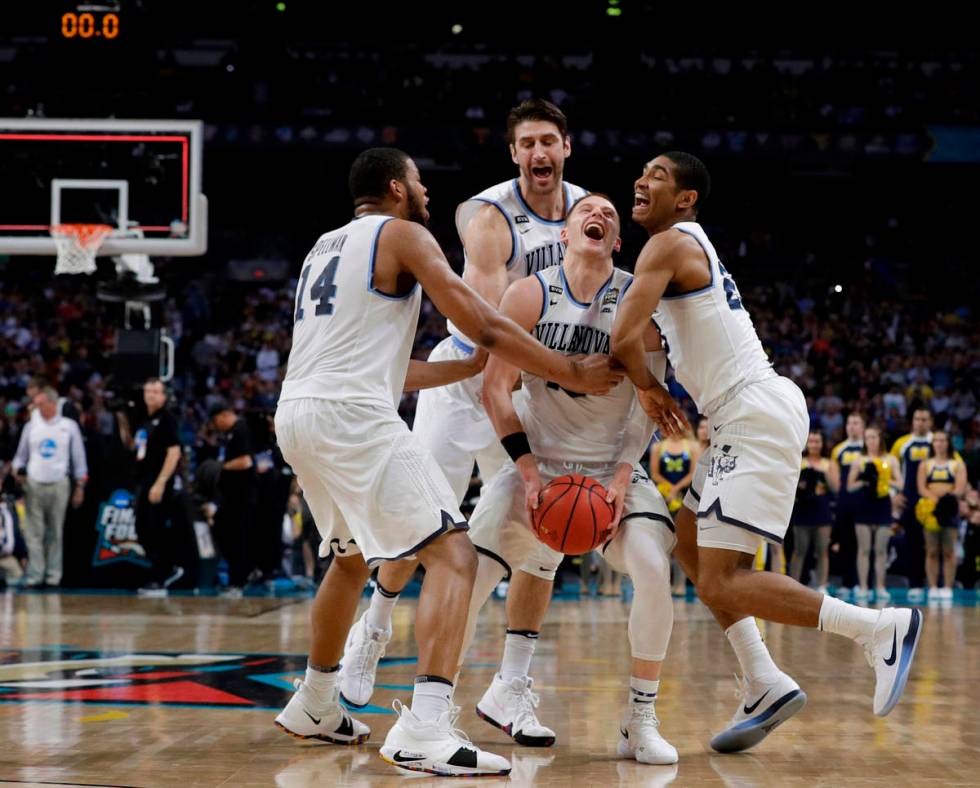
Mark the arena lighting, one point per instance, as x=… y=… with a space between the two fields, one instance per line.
x=457 y=29
x=838 y=289
x=280 y=7
x=611 y=11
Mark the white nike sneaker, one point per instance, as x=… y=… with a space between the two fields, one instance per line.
x=639 y=736
x=762 y=707
x=309 y=716
x=437 y=747
x=890 y=653
x=364 y=649
x=510 y=706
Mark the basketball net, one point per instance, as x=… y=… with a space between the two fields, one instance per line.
x=78 y=244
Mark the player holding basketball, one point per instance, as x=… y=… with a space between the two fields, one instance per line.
x=744 y=486
x=509 y=231
x=550 y=432
x=375 y=493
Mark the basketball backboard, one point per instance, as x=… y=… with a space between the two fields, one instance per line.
x=143 y=177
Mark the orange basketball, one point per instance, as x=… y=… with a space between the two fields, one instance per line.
x=573 y=516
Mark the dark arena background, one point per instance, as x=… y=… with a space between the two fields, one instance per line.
x=207 y=146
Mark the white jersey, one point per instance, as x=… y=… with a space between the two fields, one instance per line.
x=568 y=426
x=535 y=242
x=709 y=337
x=351 y=342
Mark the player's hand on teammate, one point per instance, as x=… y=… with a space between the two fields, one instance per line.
x=594 y=373
x=528 y=468
x=662 y=409
x=616 y=495
x=477 y=361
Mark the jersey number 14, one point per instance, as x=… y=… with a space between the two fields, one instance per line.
x=322 y=291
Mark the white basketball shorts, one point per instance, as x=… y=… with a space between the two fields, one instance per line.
x=370 y=485
x=745 y=483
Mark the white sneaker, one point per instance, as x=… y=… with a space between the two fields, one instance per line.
x=822 y=589
x=860 y=593
x=947 y=593
x=762 y=707
x=510 y=706
x=364 y=649
x=437 y=747
x=916 y=594
x=309 y=716
x=640 y=739
x=890 y=653
x=882 y=595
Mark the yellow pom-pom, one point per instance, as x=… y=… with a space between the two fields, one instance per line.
x=925 y=514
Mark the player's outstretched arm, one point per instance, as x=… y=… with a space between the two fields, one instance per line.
x=432 y=374
x=419 y=254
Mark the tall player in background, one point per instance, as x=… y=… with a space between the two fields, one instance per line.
x=376 y=494
x=745 y=487
x=509 y=231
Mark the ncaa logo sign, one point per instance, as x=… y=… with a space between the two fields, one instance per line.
x=47 y=448
x=117 y=539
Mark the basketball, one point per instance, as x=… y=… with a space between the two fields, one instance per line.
x=573 y=516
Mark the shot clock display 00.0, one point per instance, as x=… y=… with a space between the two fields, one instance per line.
x=90 y=24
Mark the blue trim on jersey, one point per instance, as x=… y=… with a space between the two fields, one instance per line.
x=462 y=345
x=568 y=290
x=510 y=225
x=622 y=293
x=715 y=509
x=544 y=293
x=527 y=208
x=370 y=283
x=711 y=270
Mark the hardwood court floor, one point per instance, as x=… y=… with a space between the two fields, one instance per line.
x=151 y=717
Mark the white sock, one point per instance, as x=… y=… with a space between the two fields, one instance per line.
x=518 y=650
x=643 y=690
x=382 y=603
x=851 y=621
x=432 y=697
x=753 y=656
x=322 y=682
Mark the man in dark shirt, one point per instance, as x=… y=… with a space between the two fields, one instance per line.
x=157 y=447
x=237 y=486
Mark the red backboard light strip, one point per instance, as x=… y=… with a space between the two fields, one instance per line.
x=185 y=160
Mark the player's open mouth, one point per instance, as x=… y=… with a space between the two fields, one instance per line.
x=640 y=200
x=541 y=172
x=595 y=231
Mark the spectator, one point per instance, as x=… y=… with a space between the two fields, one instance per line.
x=237 y=488
x=942 y=485
x=157 y=446
x=50 y=449
x=874 y=477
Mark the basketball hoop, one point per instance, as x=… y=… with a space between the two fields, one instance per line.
x=78 y=244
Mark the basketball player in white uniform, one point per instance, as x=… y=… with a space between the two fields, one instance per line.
x=509 y=231
x=744 y=485
x=376 y=494
x=571 y=308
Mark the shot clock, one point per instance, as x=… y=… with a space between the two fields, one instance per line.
x=91 y=21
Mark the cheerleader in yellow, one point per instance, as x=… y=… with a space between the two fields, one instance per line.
x=876 y=476
x=942 y=485
x=672 y=463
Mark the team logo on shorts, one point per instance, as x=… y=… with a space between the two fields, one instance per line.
x=722 y=466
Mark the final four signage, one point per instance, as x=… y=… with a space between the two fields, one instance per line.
x=117 y=540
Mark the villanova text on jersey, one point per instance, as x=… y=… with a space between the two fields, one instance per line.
x=544 y=256
x=572 y=338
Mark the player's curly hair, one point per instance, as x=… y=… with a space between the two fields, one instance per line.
x=690 y=173
x=373 y=170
